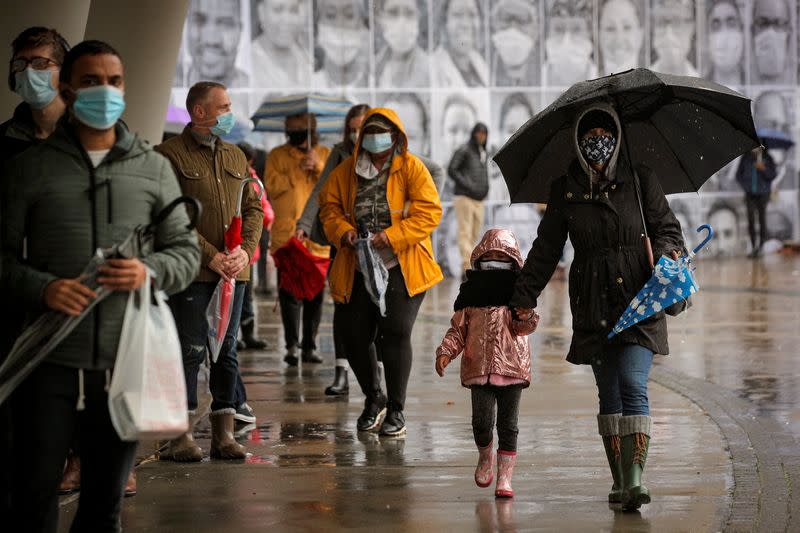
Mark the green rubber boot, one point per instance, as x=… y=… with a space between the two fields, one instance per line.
x=634 y=445
x=608 y=426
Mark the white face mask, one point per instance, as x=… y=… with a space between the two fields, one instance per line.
x=402 y=39
x=341 y=45
x=513 y=46
x=495 y=265
x=770 y=51
x=726 y=48
x=569 y=58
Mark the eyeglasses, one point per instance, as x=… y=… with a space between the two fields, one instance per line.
x=38 y=63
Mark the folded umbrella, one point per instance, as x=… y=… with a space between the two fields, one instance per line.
x=329 y=111
x=684 y=128
x=376 y=276
x=671 y=283
x=220 y=308
x=302 y=274
x=44 y=335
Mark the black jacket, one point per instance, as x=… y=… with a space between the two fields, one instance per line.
x=469 y=173
x=610 y=265
x=17 y=133
x=754 y=181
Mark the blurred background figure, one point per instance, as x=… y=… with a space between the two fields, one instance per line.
x=621 y=35
x=341 y=28
x=674 y=37
x=515 y=32
x=569 y=47
x=280 y=53
x=772 y=44
x=725 y=43
x=755 y=174
x=459 y=59
x=213 y=32
x=401 y=58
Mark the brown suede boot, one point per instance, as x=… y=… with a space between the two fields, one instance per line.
x=130 y=485
x=71 y=479
x=183 y=450
x=223 y=445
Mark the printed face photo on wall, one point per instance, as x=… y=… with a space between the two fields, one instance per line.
x=342 y=40
x=459 y=59
x=772 y=42
x=514 y=38
x=401 y=56
x=773 y=110
x=725 y=220
x=458 y=118
x=726 y=42
x=280 y=51
x=569 y=48
x=673 y=31
x=213 y=32
x=621 y=32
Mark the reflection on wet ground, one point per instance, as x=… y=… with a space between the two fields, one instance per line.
x=309 y=470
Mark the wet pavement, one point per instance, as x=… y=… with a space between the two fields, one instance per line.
x=309 y=470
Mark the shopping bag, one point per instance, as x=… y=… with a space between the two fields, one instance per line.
x=376 y=276
x=147 y=397
x=218 y=315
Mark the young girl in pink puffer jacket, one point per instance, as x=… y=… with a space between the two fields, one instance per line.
x=496 y=365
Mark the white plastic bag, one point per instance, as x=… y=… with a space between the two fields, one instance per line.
x=147 y=397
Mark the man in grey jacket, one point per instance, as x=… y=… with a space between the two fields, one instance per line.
x=468 y=169
x=87 y=187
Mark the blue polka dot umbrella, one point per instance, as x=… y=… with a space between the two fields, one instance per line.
x=671 y=283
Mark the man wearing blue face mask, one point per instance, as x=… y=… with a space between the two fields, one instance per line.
x=86 y=187
x=212 y=170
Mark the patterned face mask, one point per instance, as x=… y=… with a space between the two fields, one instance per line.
x=598 y=148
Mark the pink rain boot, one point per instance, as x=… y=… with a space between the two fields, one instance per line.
x=484 y=472
x=505 y=470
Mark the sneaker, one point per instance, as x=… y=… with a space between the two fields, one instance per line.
x=290 y=358
x=244 y=413
x=394 y=425
x=310 y=356
x=373 y=412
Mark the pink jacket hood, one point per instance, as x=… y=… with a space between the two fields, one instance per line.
x=497 y=240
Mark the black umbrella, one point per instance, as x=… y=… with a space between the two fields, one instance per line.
x=684 y=128
x=46 y=332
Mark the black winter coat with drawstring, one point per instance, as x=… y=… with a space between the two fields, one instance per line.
x=603 y=221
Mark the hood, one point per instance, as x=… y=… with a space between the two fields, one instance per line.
x=497 y=240
x=392 y=116
x=611 y=170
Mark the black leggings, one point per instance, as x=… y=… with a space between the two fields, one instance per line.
x=484 y=398
x=50 y=394
x=757 y=209
x=359 y=325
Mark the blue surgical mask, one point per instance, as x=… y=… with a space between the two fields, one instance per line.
x=99 y=107
x=377 y=143
x=224 y=124
x=354 y=137
x=35 y=87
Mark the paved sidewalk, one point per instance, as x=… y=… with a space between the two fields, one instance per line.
x=311 y=471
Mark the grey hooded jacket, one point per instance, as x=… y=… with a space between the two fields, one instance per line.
x=48 y=205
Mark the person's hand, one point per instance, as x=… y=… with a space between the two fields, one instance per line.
x=760 y=165
x=310 y=161
x=675 y=254
x=523 y=313
x=381 y=240
x=217 y=264
x=441 y=363
x=349 y=239
x=235 y=262
x=68 y=296
x=301 y=235
x=122 y=274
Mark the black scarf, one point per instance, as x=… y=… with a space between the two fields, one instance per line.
x=486 y=288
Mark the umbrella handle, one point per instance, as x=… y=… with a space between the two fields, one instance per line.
x=709 y=236
x=241 y=192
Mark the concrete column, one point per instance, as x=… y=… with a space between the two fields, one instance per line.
x=68 y=17
x=147 y=34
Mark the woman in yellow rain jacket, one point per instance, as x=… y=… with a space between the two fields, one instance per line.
x=291 y=172
x=387 y=190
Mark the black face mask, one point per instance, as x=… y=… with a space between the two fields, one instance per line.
x=297 y=137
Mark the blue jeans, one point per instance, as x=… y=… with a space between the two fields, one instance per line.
x=189 y=310
x=621 y=374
